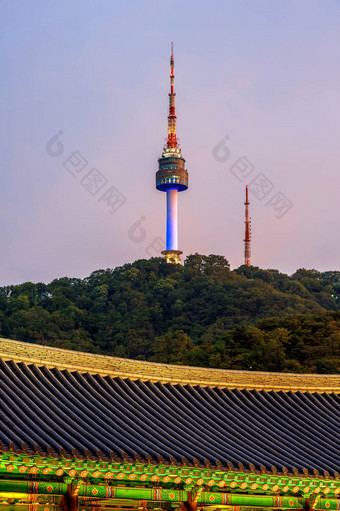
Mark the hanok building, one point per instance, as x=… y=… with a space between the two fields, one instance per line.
x=89 y=432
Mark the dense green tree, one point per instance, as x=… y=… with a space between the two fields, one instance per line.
x=201 y=313
x=172 y=348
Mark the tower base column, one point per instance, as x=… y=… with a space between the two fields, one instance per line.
x=172 y=256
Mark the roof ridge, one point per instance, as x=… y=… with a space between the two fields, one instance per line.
x=82 y=362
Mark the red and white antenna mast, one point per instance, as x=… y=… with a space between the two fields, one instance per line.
x=172 y=137
x=247 y=232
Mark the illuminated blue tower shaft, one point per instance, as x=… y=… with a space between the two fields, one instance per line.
x=171 y=219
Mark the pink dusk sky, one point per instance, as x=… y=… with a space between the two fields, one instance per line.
x=263 y=76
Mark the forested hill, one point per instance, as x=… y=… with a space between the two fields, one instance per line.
x=198 y=314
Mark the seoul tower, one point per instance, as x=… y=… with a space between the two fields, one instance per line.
x=247 y=232
x=171 y=176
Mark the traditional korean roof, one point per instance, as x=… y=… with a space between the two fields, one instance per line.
x=70 y=405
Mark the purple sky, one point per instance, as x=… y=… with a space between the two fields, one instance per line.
x=267 y=74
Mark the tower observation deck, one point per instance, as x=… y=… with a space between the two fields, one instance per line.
x=172 y=177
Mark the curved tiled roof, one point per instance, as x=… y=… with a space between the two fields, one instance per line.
x=164 y=373
x=57 y=411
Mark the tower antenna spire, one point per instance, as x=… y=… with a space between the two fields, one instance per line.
x=247 y=232
x=172 y=137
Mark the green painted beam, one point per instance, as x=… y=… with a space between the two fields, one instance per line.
x=125 y=492
x=211 y=498
x=33 y=487
x=30 y=507
x=15 y=489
